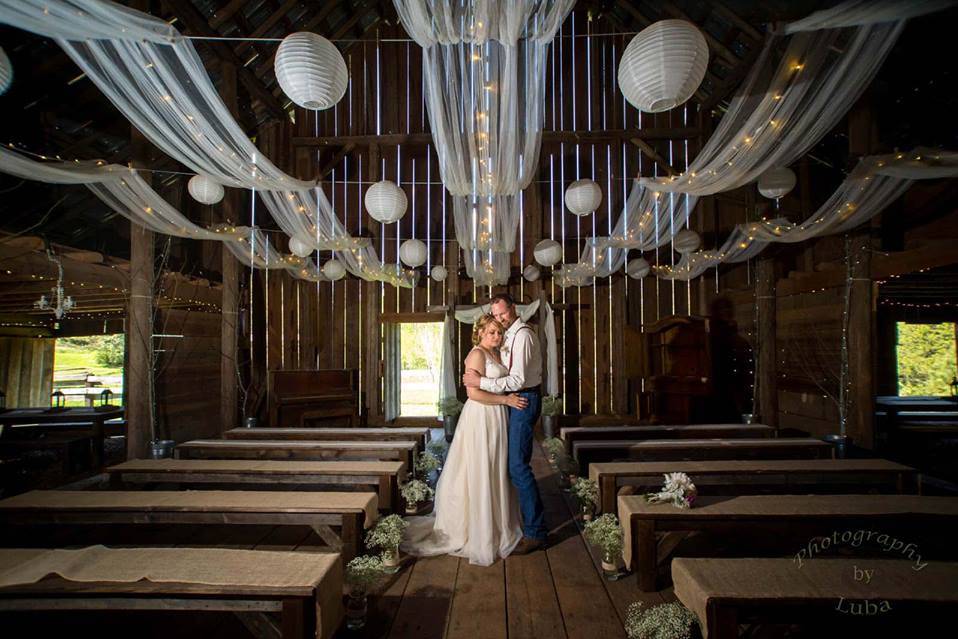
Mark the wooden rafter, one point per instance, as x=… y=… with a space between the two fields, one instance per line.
x=223 y=15
x=315 y=21
x=654 y=155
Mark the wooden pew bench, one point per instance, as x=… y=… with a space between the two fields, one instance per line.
x=350 y=512
x=728 y=476
x=726 y=592
x=805 y=514
x=298 y=450
x=305 y=589
x=590 y=452
x=418 y=435
x=381 y=477
x=572 y=434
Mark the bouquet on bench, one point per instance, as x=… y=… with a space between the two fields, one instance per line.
x=678 y=491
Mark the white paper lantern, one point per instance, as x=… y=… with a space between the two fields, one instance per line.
x=583 y=197
x=439 y=273
x=548 y=252
x=6 y=72
x=205 y=190
x=334 y=270
x=299 y=248
x=412 y=253
x=776 y=183
x=686 y=241
x=637 y=268
x=386 y=202
x=311 y=70
x=531 y=273
x=663 y=65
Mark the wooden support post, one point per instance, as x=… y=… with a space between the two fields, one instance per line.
x=139 y=334
x=766 y=377
x=229 y=323
x=372 y=326
x=859 y=425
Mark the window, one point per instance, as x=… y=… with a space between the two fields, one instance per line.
x=926 y=359
x=83 y=367
x=420 y=348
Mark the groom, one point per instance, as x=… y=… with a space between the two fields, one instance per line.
x=520 y=353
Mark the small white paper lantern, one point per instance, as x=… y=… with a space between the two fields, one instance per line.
x=205 y=190
x=776 y=183
x=334 y=270
x=637 y=268
x=548 y=252
x=311 y=70
x=531 y=273
x=583 y=197
x=386 y=202
x=439 y=273
x=6 y=72
x=412 y=253
x=299 y=248
x=663 y=65
x=686 y=241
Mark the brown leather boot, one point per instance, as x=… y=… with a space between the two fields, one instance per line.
x=527 y=545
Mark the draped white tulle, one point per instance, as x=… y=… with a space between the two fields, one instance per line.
x=476 y=512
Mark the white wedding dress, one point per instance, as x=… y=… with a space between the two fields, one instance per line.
x=476 y=513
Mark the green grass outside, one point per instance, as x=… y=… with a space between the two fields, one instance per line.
x=69 y=356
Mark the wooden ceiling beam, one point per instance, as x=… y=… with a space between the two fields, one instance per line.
x=222 y=16
x=716 y=46
x=267 y=24
x=315 y=21
x=743 y=25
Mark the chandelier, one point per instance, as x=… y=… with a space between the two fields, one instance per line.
x=59 y=303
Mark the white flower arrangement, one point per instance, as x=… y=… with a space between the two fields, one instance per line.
x=416 y=492
x=586 y=491
x=678 y=491
x=363 y=571
x=426 y=462
x=665 y=621
x=388 y=532
x=553 y=446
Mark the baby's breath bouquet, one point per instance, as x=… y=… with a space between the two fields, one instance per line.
x=426 y=462
x=605 y=533
x=439 y=448
x=449 y=406
x=415 y=492
x=551 y=405
x=553 y=447
x=363 y=571
x=678 y=491
x=587 y=492
x=665 y=621
x=387 y=534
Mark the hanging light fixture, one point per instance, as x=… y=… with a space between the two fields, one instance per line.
x=334 y=270
x=776 y=183
x=386 y=202
x=413 y=253
x=548 y=252
x=311 y=70
x=531 y=273
x=686 y=241
x=637 y=268
x=6 y=72
x=583 y=197
x=439 y=273
x=205 y=190
x=60 y=303
x=663 y=65
x=299 y=248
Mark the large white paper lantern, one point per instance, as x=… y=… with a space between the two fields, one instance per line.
x=439 y=273
x=412 y=253
x=583 y=197
x=205 y=190
x=637 y=268
x=6 y=72
x=531 y=273
x=663 y=65
x=776 y=183
x=311 y=70
x=386 y=202
x=299 y=248
x=334 y=270
x=686 y=241
x=548 y=252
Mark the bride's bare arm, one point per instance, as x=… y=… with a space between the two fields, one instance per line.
x=476 y=360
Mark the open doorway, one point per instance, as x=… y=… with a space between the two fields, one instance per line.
x=420 y=349
x=85 y=367
x=927 y=360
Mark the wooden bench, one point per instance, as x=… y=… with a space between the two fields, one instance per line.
x=726 y=592
x=299 y=450
x=418 y=435
x=590 y=452
x=305 y=589
x=572 y=434
x=382 y=477
x=76 y=450
x=807 y=514
x=781 y=475
x=348 y=511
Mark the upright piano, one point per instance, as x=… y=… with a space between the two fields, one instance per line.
x=303 y=399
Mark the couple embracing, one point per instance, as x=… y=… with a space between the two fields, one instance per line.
x=487 y=480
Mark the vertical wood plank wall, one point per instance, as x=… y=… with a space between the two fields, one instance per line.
x=26 y=370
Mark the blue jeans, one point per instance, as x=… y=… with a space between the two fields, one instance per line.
x=521 y=426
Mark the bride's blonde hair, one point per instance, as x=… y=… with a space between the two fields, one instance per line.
x=481 y=325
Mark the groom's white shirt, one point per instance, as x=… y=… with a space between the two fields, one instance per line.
x=520 y=353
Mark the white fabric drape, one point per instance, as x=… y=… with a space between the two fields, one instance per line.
x=487 y=223
x=488 y=268
x=547 y=336
x=875 y=183
x=860 y=12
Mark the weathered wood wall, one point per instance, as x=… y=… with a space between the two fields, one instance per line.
x=26 y=370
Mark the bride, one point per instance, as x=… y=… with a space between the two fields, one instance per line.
x=476 y=512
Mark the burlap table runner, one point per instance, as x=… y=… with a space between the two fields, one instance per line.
x=277 y=467
x=697 y=581
x=272 y=443
x=660 y=428
x=752 y=506
x=403 y=430
x=199 y=500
